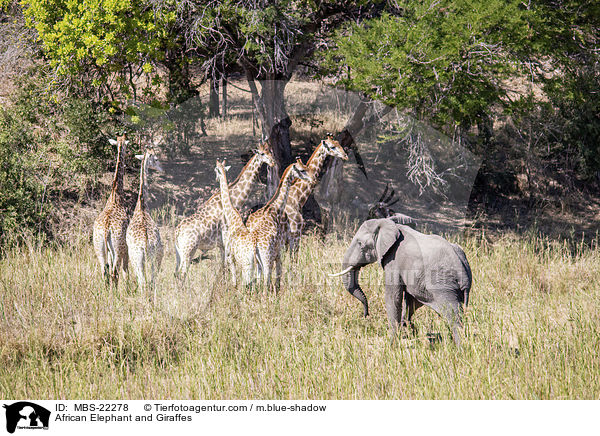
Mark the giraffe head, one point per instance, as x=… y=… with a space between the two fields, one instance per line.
x=264 y=154
x=221 y=169
x=299 y=171
x=150 y=157
x=120 y=142
x=333 y=148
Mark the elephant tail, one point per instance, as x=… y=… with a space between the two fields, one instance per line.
x=464 y=285
x=465 y=277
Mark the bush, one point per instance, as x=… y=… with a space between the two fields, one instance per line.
x=49 y=144
x=23 y=206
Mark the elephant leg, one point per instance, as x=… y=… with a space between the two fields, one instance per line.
x=409 y=305
x=451 y=311
x=393 y=306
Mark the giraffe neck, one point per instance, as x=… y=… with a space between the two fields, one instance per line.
x=303 y=188
x=242 y=184
x=142 y=193
x=276 y=204
x=316 y=160
x=230 y=213
x=117 y=184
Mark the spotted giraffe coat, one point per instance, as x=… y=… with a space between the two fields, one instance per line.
x=110 y=226
x=265 y=223
x=144 y=243
x=201 y=230
x=292 y=222
x=242 y=244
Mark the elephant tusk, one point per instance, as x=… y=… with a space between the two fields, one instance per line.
x=341 y=273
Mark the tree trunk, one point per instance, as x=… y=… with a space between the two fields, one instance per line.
x=275 y=123
x=279 y=139
x=213 y=103
x=180 y=86
x=224 y=97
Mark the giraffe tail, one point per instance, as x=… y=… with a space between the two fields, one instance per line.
x=110 y=250
x=258 y=262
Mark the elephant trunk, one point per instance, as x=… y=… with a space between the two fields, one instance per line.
x=350 y=281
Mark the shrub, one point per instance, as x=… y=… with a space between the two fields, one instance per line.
x=49 y=143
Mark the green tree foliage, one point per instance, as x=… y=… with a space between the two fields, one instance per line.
x=22 y=207
x=104 y=46
x=442 y=60
x=266 y=40
x=49 y=148
x=468 y=62
x=572 y=82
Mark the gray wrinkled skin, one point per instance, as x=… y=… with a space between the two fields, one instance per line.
x=419 y=270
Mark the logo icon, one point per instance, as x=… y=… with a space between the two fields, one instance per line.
x=26 y=415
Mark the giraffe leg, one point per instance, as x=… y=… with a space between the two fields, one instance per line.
x=101 y=253
x=248 y=268
x=277 y=272
x=266 y=264
x=230 y=261
x=99 y=247
x=153 y=272
x=294 y=246
x=225 y=255
x=138 y=261
x=156 y=262
x=226 y=243
x=113 y=258
x=184 y=255
x=123 y=262
x=178 y=261
x=295 y=231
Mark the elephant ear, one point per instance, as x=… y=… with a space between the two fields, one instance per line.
x=386 y=237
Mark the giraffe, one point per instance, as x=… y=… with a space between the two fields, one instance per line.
x=143 y=237
x=265 y=223
x=241 y=249
x=110 y=226
x=293 y=222
x=200 y=230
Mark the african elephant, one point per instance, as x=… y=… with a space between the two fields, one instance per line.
x=419 y=270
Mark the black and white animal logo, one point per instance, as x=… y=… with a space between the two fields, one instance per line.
x=26 y=415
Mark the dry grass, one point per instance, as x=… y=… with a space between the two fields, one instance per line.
x=533 y=330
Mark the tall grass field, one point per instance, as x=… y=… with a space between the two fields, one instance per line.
x=532 y=329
